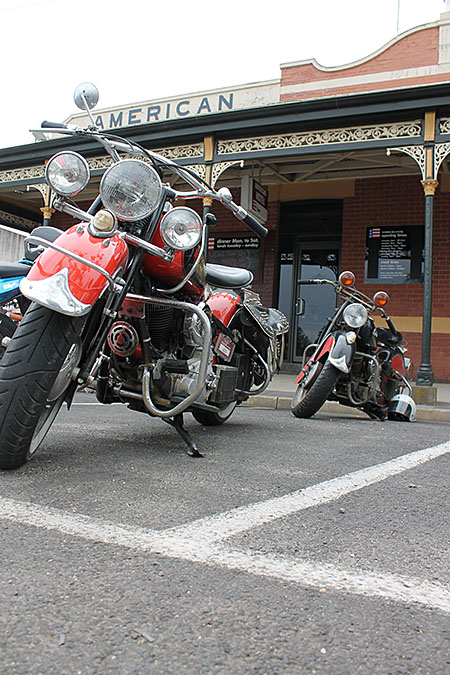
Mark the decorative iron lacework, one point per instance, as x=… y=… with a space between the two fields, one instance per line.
x=182 y=151
x=220 y=167
x=6 y=217
x=417 y=152
x=441 y=150
x=199 y=169
x=173 y=153
x=25 y=173
x=324 y=137
x=444 y=125
x=40 y=187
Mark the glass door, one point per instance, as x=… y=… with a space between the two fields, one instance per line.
x=312 y=305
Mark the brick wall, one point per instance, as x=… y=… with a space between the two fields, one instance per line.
x=400 y=201
x=227 y=223
x=417 y=49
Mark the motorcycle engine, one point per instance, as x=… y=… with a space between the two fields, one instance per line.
x=177 y=374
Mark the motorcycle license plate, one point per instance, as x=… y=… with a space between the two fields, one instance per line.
x=224 y=347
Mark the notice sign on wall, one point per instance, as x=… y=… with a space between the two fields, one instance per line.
x=235 y=252
x=394 y=255
x=254 y=198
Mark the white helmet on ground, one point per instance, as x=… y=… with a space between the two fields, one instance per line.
x=402 y=408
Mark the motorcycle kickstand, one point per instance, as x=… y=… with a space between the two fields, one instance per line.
x=177 y=423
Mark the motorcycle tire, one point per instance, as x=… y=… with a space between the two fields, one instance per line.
x=310 y=396
x=35 y=373
x=7 y=329
x=213 y=419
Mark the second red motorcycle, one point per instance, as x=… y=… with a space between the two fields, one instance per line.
x=355 y=362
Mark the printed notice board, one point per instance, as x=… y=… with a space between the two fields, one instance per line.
x=236 y=251
x=394 y=255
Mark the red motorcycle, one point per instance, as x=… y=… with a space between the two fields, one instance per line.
x=355 y=362
x=124 y=303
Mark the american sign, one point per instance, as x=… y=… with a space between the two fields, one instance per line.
x=190 y=105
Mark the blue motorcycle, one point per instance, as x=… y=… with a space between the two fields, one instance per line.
x=12 y=303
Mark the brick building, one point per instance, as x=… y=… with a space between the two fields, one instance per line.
x=348 y=166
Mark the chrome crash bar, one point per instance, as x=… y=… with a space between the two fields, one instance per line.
x=147 y=375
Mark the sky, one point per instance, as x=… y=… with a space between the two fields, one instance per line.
x=139 y=50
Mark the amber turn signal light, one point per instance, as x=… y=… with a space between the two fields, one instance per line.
x=347 y=278
x=381 y=299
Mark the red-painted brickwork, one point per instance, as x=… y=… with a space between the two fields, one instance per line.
x=415 y=50
x=400 y=201
x=362 y=87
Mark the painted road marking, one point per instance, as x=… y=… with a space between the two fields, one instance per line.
x=202 y=540
x=244 y=518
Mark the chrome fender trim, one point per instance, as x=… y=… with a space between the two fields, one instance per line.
x=54 y=293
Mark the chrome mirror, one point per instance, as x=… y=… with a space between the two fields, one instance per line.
x=86 y=96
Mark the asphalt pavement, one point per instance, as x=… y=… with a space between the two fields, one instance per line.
x=292 y=546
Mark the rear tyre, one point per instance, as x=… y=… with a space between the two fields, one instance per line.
x=213 y=419
x=314 y=389
x=35 y=374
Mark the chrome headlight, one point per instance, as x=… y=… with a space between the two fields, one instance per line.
x=67 y=173
x=131 y=189
x=181 y=228
x=355 y=315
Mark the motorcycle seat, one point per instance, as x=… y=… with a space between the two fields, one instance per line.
x=45 y=232
x=388 y=337
x=13 y=269
x=227 y=277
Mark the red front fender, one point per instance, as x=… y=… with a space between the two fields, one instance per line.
x=325 y=350
x=70 y=286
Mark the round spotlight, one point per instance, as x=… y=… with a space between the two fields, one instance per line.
x=67 y=173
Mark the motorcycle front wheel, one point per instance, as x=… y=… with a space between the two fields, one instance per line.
x=314 y=389
x=35 y=373
x=213 y=419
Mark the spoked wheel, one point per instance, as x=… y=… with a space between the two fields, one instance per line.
x=35 y=374
x=314 y=389
x=212 y=419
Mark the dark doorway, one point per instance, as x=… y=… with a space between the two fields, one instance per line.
x=309 y=247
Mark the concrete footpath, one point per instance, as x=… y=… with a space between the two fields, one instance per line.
x=278 y=396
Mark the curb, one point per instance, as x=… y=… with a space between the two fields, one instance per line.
x=423 y=413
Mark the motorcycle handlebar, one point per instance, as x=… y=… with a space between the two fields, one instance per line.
x=316 y=281
x=391 y=325
x=256 y=226
x=53 y=125
x=201 y=189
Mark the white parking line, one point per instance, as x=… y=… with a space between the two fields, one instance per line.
x=246 y=517
x=324 y=576
x=200 y=541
